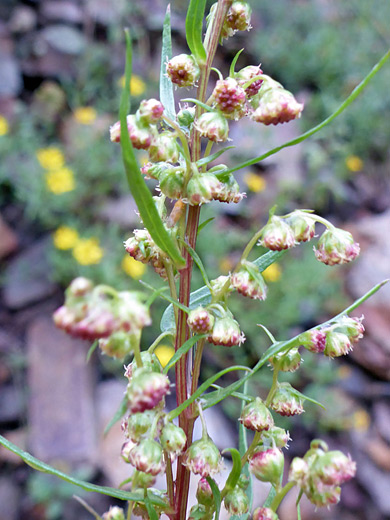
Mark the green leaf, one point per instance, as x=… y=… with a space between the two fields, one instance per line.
x=208 y=108
x=202 y=296
x=87 y=486
x=204 y=224
x=213 y=157
x=234 y=62
x=235 y=473
x=307 y=398
x=202 y=388
x=167 y=298
x=138 y=188
x=354 y=94
x=196 y=258
x=166 y=87
x=182 y=350
x=150 y=509
x=194 y=29
x=216 y=495
x=118 y=415
x=92 y=349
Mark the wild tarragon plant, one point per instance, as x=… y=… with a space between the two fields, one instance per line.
x=179 y=145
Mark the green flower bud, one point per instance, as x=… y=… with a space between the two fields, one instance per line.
x=264 y=513
x=173 y=439
x=213 y=126
x=149 y=361
x=183 y=70
x=119 y=344
x=186 y=116
x=267 y=465
x=286 y=400
x=277 y=235
x=236 y=501
x=143 y=480
x=337 y=344
x=287 y=361
x=172 y=183
x=249 y=282
x=202 y=188
x=336 y=246
x=164 y=148
x=256 y=416
x=147 y=456
x=204 y=493
x=203 y=458
x=302 y=225
x=138 y=424
x=352 y=327
x=275 y=437
x=146 y=390
x=226 y=332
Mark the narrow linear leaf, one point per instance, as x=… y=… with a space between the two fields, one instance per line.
x=355 y=93
x=200 y=103
x=239 y=395
x=87 y=486
x=213 y=157
x=267 y=259
x=216 y=495
x=138 y=188
x=194 y=29
x=235 y=473
x=202 y=388
x=150 y=509
x=234 y=62
x=118 y=415
x=155 y=295
x=310 y=399
x=204 y=224
x=196 y=258
x=167 y=298
x=92 y=349
x=182 y=350
x=166 y=87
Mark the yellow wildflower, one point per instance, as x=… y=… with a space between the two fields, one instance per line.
x=65 y=237
x=87 y=251
x=4 y=127
x=361 y=420
x=50 y=158
x=132 y=267
x=354 y=163
x=60 y=181
x=255 y=183
x=272 y=273
x=85 y=115
x=226 y=265
x=137 y=85
x=164 y=353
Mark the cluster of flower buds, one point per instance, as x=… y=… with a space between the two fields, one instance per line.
x=203 y=457
x=142 y=248
x=229 y=98
x=236 y=500
x=320 y=473
x=338 y=339
x=248 y=79
x=222 y=329
x=267 y=464
x=273 y=104
x=249 y=282
x=99 y=312
x=286 y=400
x=238 y=18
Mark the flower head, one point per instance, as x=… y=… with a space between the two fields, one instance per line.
x=4 y=126
x=50 y=158
x=204 y=493
x=275 y=105
x=133 y=267
x=203 y=458
x=229 y=98
x=87 y=251
x=226 y=332
x=337 y=344
x=286 y=400
x=60 y=181
x=249 y=282
x=147 y=456
x=314 y=340
x=65 y=237
x=256 y=416
x=267 y=465
x=183 y=70
x=85 y=115
x=146 y=389
x=150 y=111
x=264 y=513
x=173 y=439
x=247 y=74
x=255 y=183
x=214 y=126
x=201 y=320
x=336 y=246
x=236 y=501
x=277 y=235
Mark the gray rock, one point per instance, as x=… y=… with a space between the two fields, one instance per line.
x=122 y=211
x=28 y=277
x=23 y=19
x=62 y=11
x=61 y=414
x=11 y=404
x=105 y=12
x=64 y=39
x=9 y=500
x=10 y=76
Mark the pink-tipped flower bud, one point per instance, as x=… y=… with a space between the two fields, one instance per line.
x=230 y=191
x=275 y=105
x=302 y=225
x=226 y=332
x=337 y=344
x=164 y=148
x=287 y=361
x=299 y=472
x=229 y=98
x=267 y=465
x=147 y=456
x=214 y=126
x=264 y=513
x=126 y=449
x=246 y=75
x=80 y=286
x=114 y=513
x=275 y=437
x=119 y=344
x=149 y=361
x=334 y=468
x=203 y=458
x=173 y=439
x=323 y=496
x=256 y=416
x=352 y=327
x=183 y=70
x=172 y=182
x=204 y=493
x=249 y=282
x=236 y=501
x=140 y=136
x=138 y=424
x=200 y=320
x=186 y=116
x=287 y=401
x=238 y=18
x=150 y=111
x=314 y=340
x=336 y=246
x=202 y=188
x=146 y=390
x=148 y=170
x=277 y=235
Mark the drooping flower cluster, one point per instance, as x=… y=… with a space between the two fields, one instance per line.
x=320 y=473
x=221 y=327
x=115 y=318
x=141 y=247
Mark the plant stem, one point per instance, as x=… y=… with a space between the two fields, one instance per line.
x=280 y=495
x=169 y=475
x=251 y=448
x=172 y=287
x=273 y=387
